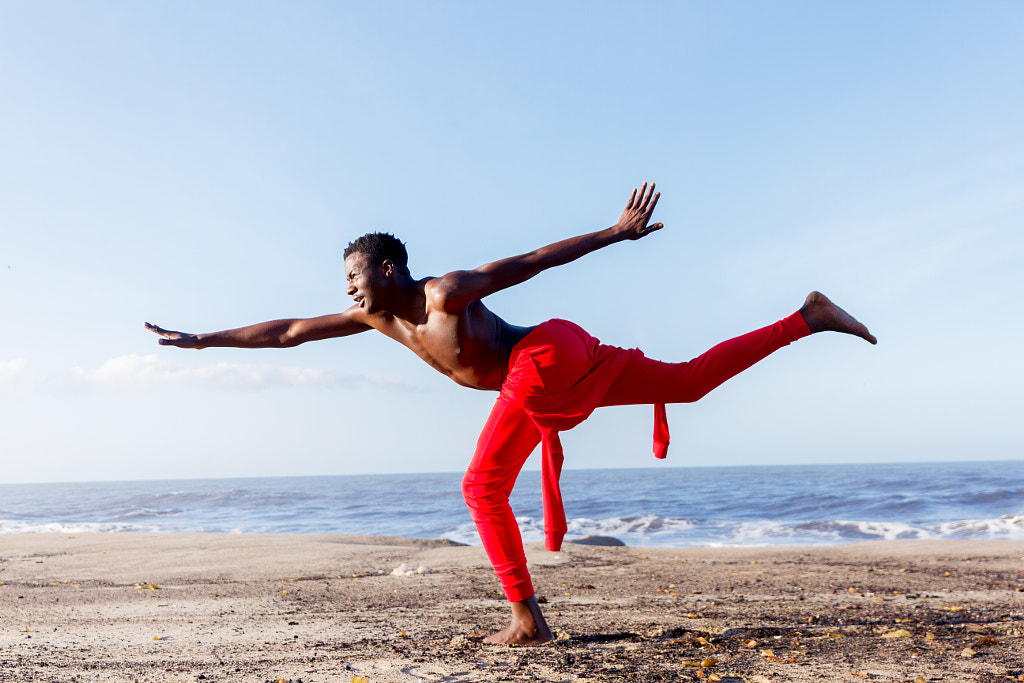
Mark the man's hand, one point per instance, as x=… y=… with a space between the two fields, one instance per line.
x=633 y=221
x=182 y=340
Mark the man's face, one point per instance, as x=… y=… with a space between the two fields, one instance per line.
x=365 y=280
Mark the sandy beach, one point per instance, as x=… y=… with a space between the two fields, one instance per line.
x=189 y=607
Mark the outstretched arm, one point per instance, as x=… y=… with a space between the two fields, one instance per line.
x=275 y=334
x=459 y=289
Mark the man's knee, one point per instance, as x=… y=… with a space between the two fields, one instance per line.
x=482 y=495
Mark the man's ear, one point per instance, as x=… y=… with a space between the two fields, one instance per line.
x=387 y=267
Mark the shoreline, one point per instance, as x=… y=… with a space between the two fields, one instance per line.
x=174 y=607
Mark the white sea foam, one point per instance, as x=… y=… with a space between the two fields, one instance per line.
x=653 y=530
x=889 y=531
x=748 y=534
x=12 y=526
x=1007 y=526
x=463 y=533
x=642 y=526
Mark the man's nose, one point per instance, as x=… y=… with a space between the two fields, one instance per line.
x=351 y=289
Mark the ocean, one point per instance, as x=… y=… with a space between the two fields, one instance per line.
x=653 y=507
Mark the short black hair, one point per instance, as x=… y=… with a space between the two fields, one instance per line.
x=379 y=246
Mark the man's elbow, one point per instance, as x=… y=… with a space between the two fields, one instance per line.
x=293 y=336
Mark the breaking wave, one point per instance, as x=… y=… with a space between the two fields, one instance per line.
x=663 y=507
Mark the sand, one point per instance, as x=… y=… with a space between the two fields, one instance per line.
x=311 y=608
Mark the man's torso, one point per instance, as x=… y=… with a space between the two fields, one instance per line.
x=471 y=346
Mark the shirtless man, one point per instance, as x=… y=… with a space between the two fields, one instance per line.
x=541 y=389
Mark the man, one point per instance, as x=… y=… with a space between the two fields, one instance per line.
x=550 y=376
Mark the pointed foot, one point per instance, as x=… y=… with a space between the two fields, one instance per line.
x=822 y=315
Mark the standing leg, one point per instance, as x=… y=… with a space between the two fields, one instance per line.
x=507 y=439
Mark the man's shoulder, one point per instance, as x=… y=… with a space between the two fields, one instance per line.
x=434 y=282
x=442 y=292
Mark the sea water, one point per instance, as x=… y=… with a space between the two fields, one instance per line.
x=655 y=507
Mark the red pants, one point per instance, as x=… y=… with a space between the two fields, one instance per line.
x=558 y=375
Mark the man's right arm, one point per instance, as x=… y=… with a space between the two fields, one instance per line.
x=274 y=334
x=458 y=289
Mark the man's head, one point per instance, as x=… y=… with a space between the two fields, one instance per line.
x=378 y=247
x=375 y=264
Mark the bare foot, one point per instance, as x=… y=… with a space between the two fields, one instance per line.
x=527 y=628
x=822 y=315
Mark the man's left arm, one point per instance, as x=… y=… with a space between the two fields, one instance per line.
x=459 y=289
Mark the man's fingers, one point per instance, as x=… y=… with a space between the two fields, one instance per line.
x=654 y=201
x=169 y=334
x=632 y=198
x=647 y=196
x=643 y=196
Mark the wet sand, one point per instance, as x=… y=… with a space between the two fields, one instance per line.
x=190 y=607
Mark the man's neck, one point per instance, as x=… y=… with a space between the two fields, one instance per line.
x=409 y=302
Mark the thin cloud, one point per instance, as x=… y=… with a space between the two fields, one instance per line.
x=11 y=370
x=137 y=372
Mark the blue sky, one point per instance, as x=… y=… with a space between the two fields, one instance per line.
x=203 y=165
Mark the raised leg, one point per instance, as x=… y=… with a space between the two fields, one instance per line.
x=649 y=381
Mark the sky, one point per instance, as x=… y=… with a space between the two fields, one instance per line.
x=202 y=166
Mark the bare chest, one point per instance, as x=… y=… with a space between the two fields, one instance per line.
x=463 y=347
